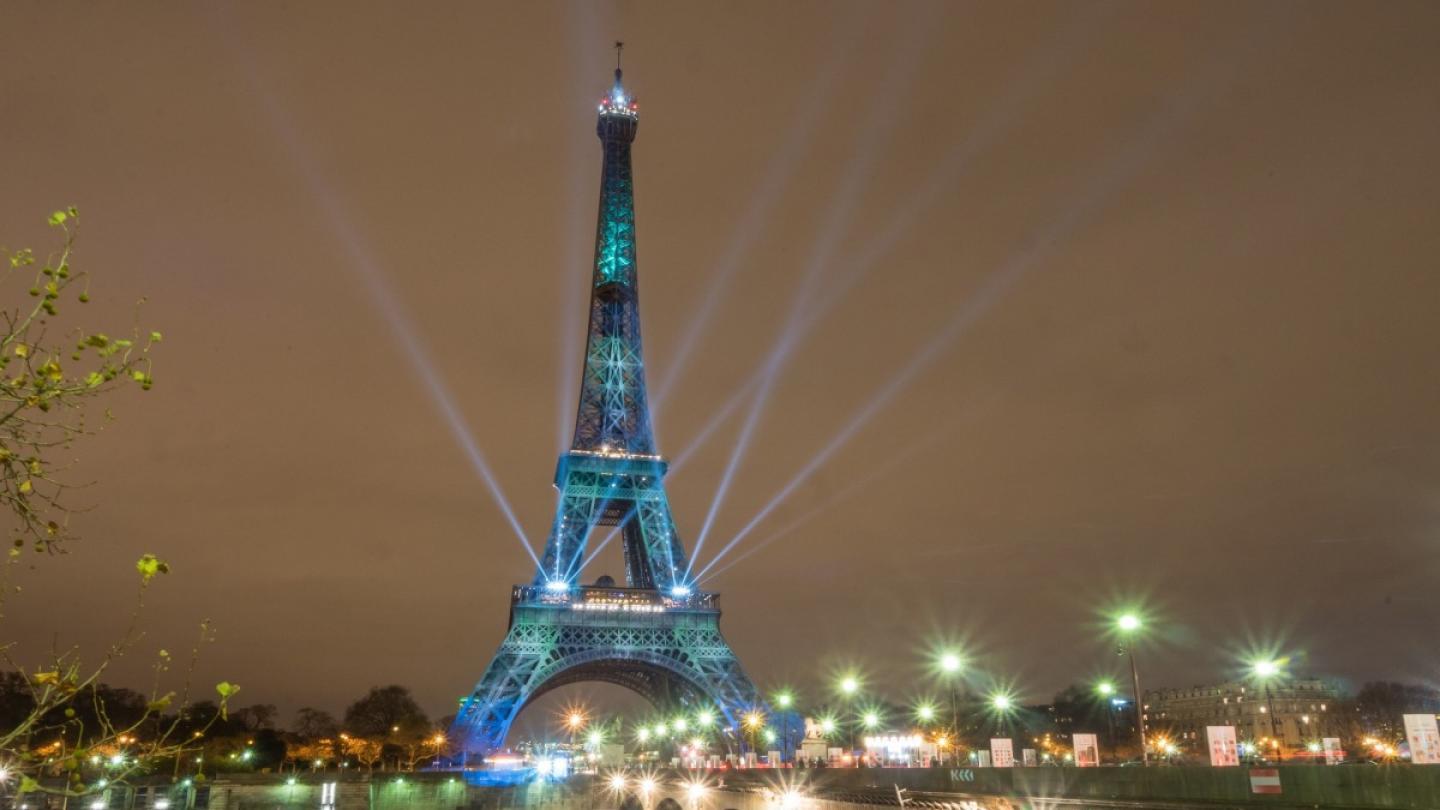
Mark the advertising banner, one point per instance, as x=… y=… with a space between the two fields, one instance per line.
x=1424 y=737
x=1002 y=752
x=1334 y=755
x=1224 y=752
x=1087 y=750
x=1027 y=756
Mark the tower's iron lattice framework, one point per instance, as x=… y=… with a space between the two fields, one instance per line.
x=658 y=635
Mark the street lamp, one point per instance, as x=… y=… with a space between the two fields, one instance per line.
x=869 y=719
x=784 y=700
x=1001 y=706
x=925 y=713
x=1128 y=624
x=1266 y=670
x=574 y=721
x=752 y=722
x=950 y=665
x=1106 y=690
x=849 y=685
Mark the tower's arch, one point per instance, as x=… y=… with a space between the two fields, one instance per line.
x=671 y=654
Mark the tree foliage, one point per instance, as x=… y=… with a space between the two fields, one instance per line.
x=57 y=718
x=384 y=712
x=49 y=375
x=315 y=724
x=1381 y=705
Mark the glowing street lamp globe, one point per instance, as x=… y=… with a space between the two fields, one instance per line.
x=1266 y=668
x=1105 y=688
x=827 y=725
x=870 y=719
x=705 y=718
x=849 y=685
x=1128 y=622
x=950 y=663
x=926 y=713
x=784 y=699
x=1001 y=702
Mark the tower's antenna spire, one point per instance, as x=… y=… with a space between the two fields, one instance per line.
x=619 y=48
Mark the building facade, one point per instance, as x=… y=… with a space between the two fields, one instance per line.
x=1295 y=712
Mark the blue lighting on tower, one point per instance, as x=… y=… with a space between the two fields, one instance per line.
x=612 y=476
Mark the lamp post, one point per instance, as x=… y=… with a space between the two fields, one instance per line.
x=849 y=686
x=870 y=719
x=1265 y=671
x=574 y=722
x=950 y=668
x=1128 y=624
x=784 y=700
x=1001 y=703
x=752 y=722
x=1106 y=690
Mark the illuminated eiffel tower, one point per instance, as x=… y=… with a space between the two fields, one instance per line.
x=658 y=635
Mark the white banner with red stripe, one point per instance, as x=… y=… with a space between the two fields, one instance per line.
x=1264 y=780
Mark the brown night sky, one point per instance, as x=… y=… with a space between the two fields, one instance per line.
x=1181 y=258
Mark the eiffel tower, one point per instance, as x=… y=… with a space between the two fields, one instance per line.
x=658 y=635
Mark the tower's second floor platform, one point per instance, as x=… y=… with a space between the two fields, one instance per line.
x=612 y=600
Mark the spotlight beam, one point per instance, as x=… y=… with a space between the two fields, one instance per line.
x=880 y=123
x=577 y=567
x=603 y=543
x=776 y=177
x=374 y=281
x=1037 y=76
x=1113 y=174
x=926 y=442
x=716 y=420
